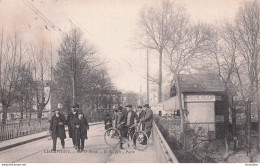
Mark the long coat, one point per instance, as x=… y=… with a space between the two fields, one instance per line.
x=70 y=122
x=83 y=126
x=56 y=129
x=147 y=119
x=141 y=115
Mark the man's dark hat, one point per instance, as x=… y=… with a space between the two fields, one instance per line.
x=75 y=106
x=120 y=108
x=139 y=107
x=146 y=105
x=129 y=105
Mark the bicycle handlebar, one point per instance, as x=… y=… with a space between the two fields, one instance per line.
x=134 y=125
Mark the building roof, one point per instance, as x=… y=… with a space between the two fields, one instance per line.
x=201 y=83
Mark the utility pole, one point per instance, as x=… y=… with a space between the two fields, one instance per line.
x=147 y=77
x=73 y=80
x=74 y=55
x=140 y=93
x=51 y=81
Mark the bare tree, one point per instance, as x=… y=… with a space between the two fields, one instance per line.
x=41 y=60
x=11 y=49
x=248 y=26
x=224 y=60
x=186 y=45
x=155 y=27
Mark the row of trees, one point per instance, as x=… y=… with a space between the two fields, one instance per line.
x=24 y=70
x=16 y=79
x=230 y=49
x=29 y=80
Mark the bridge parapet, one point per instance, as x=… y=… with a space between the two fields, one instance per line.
x=163 y=151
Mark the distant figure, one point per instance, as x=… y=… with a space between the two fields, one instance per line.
x=70 y=122
x=147 y=120
x=108 y=121
x=81 y=127
x=57 y=128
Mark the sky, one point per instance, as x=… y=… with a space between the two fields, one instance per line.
x=108 y=24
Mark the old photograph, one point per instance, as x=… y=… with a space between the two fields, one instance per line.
x=129 y=81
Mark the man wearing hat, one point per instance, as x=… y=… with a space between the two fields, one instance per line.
x=57 y=128
x=147 y=120
x=70 y=122
x=81 y=127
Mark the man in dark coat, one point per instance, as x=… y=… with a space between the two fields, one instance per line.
x=81 y=127
x=70 y=122
x=141 y=113
x=147 y=120
x=57 y=128
x=108 y=121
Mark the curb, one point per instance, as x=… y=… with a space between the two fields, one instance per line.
x=35 y=139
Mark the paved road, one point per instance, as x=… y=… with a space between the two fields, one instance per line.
x=96 y=151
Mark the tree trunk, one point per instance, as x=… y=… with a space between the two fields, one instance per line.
x=160 y=78
x=5 y=109
x=147 y=79
x=249 y=128
x=258 y=111
x=226 y=145
x=21 y=119
x=22 y=110
x=234 y=131
x=182 y=127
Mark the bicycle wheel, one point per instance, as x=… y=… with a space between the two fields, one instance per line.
x=139 y=138
x=112 y=137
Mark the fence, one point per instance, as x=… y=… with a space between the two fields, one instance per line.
x=15 y=129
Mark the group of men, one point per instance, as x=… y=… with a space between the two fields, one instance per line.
x=126 y=119
x=77 y=125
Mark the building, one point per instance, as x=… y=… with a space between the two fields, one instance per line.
x=205 y=102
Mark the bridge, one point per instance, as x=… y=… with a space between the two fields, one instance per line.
x=36 y=148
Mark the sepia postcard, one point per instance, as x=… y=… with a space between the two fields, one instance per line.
x=129 y=81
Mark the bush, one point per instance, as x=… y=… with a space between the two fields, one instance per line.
x=176 y=146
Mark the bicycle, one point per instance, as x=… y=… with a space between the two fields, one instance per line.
x=113 y=137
